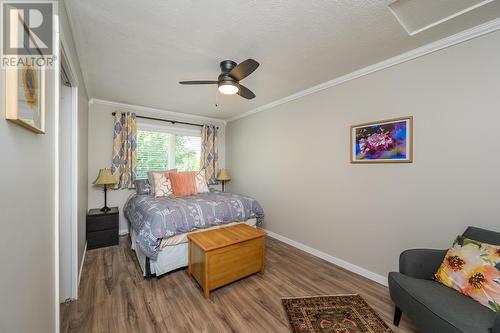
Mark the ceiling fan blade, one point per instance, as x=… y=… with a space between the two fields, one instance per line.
x=198 y=82
x=245 y=92
x=243 y=69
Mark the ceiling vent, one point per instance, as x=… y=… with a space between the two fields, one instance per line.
x=419 y=15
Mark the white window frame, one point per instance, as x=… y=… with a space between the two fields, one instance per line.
x=182 y=131
x=168 y=129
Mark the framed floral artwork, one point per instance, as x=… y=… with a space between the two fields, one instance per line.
x=385 y=141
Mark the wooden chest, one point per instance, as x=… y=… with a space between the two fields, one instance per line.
x=221 y=256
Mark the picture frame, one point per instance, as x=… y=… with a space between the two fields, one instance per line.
x=383 y=141
x=25 y=96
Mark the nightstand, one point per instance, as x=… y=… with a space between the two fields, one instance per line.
x=102 y=228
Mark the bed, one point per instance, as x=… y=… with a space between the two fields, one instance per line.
x=159 y=226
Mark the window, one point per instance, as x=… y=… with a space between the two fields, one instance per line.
x=162 y=148
x=187 y=153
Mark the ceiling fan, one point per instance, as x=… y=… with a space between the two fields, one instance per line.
x=230 y=77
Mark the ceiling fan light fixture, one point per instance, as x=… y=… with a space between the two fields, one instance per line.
x=228 y=82
x=228 y=88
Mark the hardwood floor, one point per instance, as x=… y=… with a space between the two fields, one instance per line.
x=114 y=297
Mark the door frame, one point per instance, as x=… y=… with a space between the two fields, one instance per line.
x=66 y=62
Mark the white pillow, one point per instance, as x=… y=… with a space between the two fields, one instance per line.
x=201 y=182
x=163 y=186
x=151 y=178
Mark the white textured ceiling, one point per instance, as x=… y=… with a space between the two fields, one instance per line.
x=135 y=51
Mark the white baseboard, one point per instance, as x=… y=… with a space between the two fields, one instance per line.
x=336 y=261
x=81 y=264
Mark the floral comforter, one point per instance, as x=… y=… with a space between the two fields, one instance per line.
x=156 y=218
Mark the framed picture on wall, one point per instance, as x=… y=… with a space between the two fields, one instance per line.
x=384 y=141
x=25 y=90
x=25 y=95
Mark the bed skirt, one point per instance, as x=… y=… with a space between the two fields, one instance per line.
x=170 y=258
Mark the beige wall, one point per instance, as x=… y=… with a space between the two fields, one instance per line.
x=27 y=199
x=27 y=212
x=294 y=159
x=100 y=144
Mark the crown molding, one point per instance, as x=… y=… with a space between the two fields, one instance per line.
x=447 y=18
x=159 y=112
x=458 y=38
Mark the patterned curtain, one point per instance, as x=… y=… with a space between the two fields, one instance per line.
x=209 y=155
x=124 y=147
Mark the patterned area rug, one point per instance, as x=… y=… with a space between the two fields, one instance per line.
x=333 y=314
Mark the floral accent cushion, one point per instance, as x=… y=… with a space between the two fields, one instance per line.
x=163 y=186
x=201 y=181
x=473 y=268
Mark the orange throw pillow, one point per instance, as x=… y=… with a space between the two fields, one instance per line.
x=183 y=183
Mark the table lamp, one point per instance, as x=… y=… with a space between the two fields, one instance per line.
x=223 y=177
x=105 y=178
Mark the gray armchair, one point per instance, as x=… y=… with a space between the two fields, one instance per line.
x=433 y=307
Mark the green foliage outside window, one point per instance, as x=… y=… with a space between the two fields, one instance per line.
x=187 y=153
x=155 y=148
x=152 y=152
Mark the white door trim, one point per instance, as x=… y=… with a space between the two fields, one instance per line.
x=57 y=82
x=74 y=194
x=69 y=69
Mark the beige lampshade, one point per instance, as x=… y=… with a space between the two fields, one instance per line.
x=105 y=178
x=223 y=175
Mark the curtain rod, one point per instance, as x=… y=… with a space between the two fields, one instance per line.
x=168 y=121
